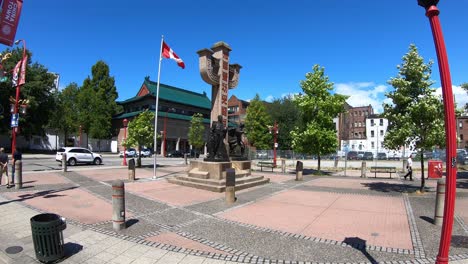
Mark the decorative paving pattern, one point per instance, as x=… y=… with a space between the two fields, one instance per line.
x=166 y=217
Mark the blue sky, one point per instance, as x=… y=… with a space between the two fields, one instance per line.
x=359 y=43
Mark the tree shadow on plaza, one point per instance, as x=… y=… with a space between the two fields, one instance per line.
x=359 y=244
x=44 y=194
x=391 y=187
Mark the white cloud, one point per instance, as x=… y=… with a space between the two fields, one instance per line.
x=461 y=97
x=363 y=94
x=269 y=98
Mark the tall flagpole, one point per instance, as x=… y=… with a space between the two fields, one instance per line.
x=156 y=110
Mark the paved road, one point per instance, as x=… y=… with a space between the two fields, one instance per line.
x=48 y=163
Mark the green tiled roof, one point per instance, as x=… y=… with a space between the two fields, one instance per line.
x=160 y=115
x=174 y=94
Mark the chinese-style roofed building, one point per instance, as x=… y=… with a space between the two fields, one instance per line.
x=175 y=110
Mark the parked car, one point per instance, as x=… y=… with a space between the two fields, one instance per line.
x=262 y=155
x=462 y=157
x=360 y=155
x=368 y=156
x=146 y=152
x=193 y=154
x=77 y=155
x=175 y=154
x=382 y=156
x=352 y=155
x=130 y=153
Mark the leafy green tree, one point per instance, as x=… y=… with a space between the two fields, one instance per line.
x=66 y=110
x=196 y=132
x=140 y=132
x=318 y=107
x=416 y=114
x=285 y=112
x=464 y=86
x=257 y=122
x=97 y=102
x=38 y=90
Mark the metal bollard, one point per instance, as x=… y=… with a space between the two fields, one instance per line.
x=185 y=158
x=283 y=166
x=118 y=205
x=440 y=200
x=299 y=170
x=18 y=174
x=131 y=169
x=64 y=162
x=336 y=162
x=363 y=170
x=230 y=186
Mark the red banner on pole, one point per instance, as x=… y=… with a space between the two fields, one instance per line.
x=9 y=19
x=22 y=78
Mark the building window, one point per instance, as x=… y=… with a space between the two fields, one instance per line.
x=381 y=132
x=372 y=134
x=461 y=136
x=461 y=124
x=372 y=144
x=381 y=122
x=372 y=122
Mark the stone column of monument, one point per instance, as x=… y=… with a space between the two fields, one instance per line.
x=216 y=70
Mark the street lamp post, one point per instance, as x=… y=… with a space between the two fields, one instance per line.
x=125 y=122
x=15 y=110
x=432 y=12
x=274 y=130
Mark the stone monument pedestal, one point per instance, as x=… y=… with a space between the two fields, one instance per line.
x=211 y=176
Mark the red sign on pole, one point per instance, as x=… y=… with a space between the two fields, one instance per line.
x=9 y=19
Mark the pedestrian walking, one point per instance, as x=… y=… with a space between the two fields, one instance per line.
x=4 y=166
x=409 y=167
x=17 y=155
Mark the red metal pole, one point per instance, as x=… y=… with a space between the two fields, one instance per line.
x=15 y=110
x=275 y=130
x=446 y=234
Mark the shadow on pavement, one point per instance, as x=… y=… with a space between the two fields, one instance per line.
x=131 y=222
x=427 y=219
x=390 y=187
x=71 y=249
x=360 y=244
x=45 y=194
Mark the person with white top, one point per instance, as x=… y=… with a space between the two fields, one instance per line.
x=409 y=167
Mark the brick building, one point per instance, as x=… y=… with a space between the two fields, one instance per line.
x=237 y=110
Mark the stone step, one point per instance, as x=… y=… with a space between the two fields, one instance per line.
x=199 y=174
x=214 y=182
x=217 y=188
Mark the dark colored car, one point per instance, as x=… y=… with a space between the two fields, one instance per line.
x=352 y=155
x=368 y=156
x=193 y=153
x=175 y=154
x=382 y=156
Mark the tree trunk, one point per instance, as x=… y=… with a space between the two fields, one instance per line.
x=139 y=157
x=318 y=163
x=423 y=180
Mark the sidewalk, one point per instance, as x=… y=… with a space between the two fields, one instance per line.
x=323 y=219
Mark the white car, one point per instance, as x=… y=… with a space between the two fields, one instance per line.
x=77 y=155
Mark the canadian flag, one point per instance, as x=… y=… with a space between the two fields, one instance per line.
x=168 y=53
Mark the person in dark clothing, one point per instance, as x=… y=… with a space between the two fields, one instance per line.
x=17 y=155
x=4 y=166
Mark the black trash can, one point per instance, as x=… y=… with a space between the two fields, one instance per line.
x=48 y=237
